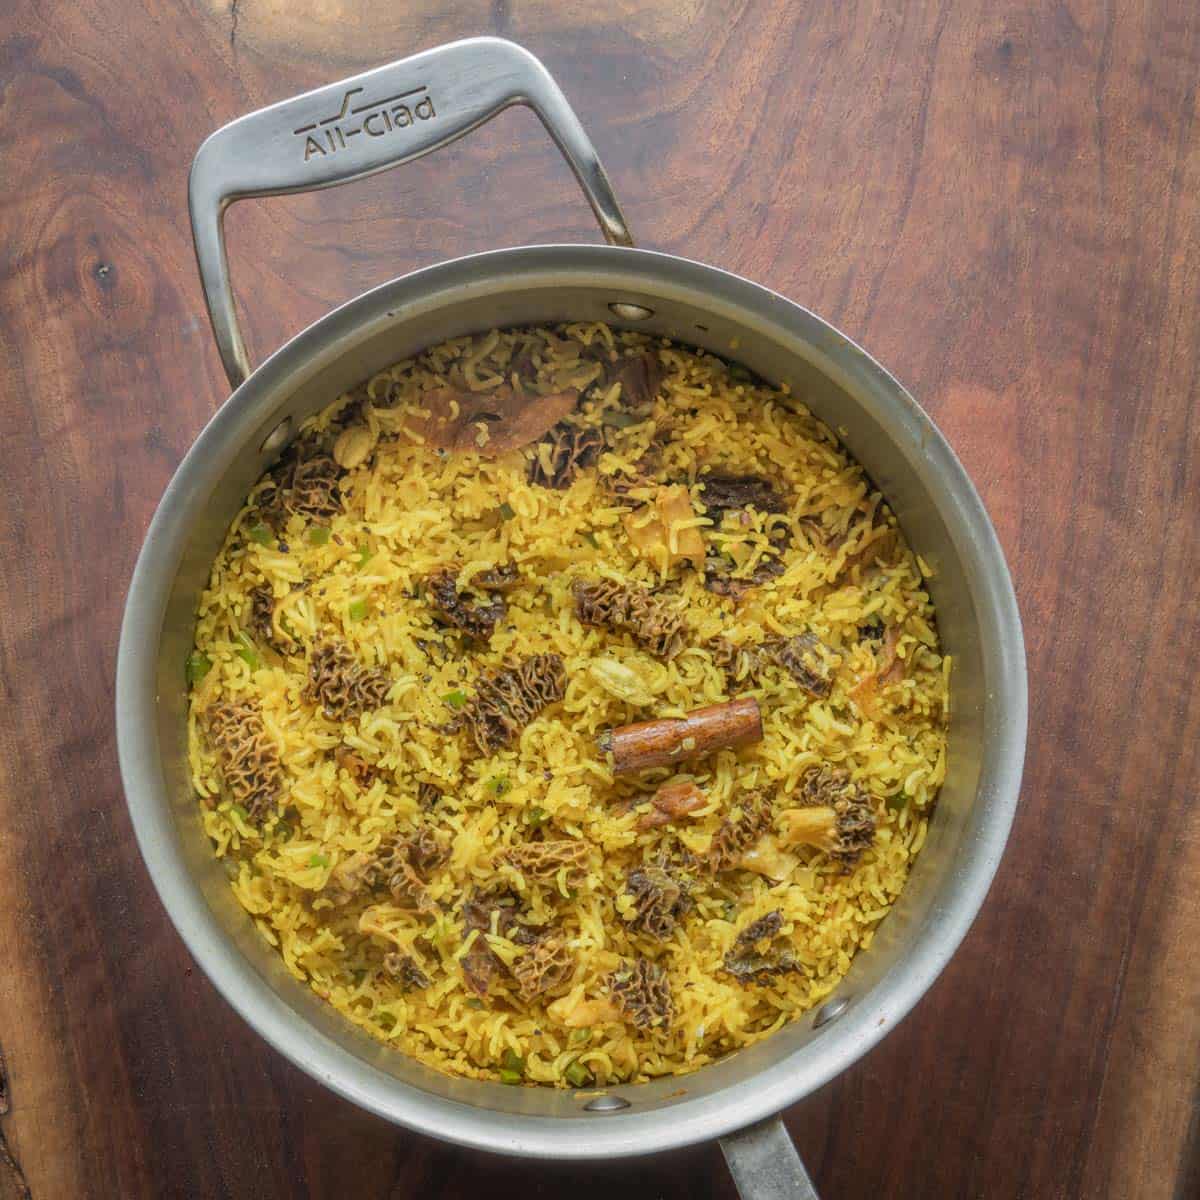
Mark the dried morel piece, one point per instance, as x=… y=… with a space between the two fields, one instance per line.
x=721 y=581
x=305 y=486
x=562 y=454
x=640 y=376
x=545 y=967
x=403 y=968
x=723 y=493
x=406 y=863
x=607 y=604
x=642 y=991
x=738 y=832
x=804 y=658
x=352 y=877
x=508 y=699
x=765 y=928
x=644 y=473
x=503 y=577
x=740 y=664
x=480 y=964
x=660 y=901
x=248 y=759
x=262 y=617
x=476 y=620
x=357 y=767
x=428 y=794
x=838 y=816
x=751 y=960
x=544 y=860
x=342 y=685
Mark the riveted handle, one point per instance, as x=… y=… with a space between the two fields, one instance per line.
x=764 y=1163
x=365 y=124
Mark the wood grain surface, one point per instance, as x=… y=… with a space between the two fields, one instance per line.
x=1001 y=201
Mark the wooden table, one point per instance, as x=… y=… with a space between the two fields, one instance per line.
x=1002 y=201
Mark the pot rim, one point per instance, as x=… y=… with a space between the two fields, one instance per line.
x=687 y=1120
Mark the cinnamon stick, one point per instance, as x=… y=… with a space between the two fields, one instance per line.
x=678 y=739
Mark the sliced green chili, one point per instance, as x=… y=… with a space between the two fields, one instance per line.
x=577 y=1075
x=618 y=419
x=506 y=511
x=318 y=860
x=455 y=699
x=357 y=610
x=319 y=535
x=248 y=652
x=198 y=665
x=260 y=533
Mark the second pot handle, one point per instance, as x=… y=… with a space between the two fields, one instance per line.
x=365 y=124
x=764 y=1164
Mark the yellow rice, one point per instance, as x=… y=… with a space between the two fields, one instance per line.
x=416 y=510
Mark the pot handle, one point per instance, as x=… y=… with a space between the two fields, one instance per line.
x=764 y=1163
x=367 y=123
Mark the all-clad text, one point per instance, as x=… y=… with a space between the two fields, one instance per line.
x=374 y=118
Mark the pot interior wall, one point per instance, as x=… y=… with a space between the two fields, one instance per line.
x=877 y=422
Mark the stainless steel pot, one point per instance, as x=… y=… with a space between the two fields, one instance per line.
x=389 y=116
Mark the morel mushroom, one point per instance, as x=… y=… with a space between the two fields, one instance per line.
x=652 y=624
x=476 y=620
x=804 y=659
x=508 y=699
x=748 y=964
x=546 y=966
x=719 y=577
x=838 y=817
x=403 y=968
x=480 y=964
x=640 y=376
x=562 y=454
x=544 y=860
x=503 y=577
x=659 y=901
x=428 y=794
x=342 y=685
x=262 y=618
x=248 y=759
x=357 y=767
x=738 y=832
x=307 y=487
x=722 y=493
x=642 y=991
x=406 y=862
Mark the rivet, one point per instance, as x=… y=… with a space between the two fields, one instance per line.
x=831 y=1011
x=606 y=1104
x=630 y=312
x=279 y=437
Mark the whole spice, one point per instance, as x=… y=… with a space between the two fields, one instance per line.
x=672 y=740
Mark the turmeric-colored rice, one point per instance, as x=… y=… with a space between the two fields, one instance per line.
x=357 y=578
